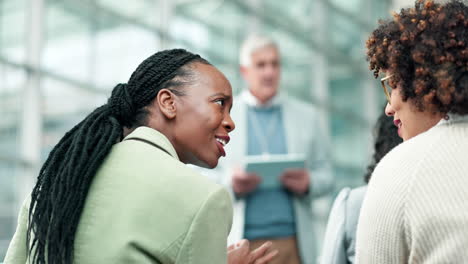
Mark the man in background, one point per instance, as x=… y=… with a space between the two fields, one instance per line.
x=269 y=123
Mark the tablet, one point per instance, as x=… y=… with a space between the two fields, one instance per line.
x=270 y=167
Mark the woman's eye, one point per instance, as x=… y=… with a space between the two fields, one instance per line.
x=220 y=102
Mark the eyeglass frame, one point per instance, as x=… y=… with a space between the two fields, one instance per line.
x=387 y=94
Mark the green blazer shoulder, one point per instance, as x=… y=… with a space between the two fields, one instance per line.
x=145 y=206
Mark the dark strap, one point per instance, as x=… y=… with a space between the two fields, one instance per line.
x=151 y=143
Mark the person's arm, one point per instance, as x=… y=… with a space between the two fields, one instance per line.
x=18 y=251
x=206 y=239
x=334 y=244
x=382 y=230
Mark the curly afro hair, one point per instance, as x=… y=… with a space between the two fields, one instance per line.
x=425 y=49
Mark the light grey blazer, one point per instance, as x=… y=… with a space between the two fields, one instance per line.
x=339 y=246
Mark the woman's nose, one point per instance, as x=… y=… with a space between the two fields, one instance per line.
x=228 y=123
x=389 y=110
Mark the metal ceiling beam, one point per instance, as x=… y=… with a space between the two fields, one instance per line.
x=286 y=24
x=112 y=18
x=365 y=25
x=86 y=5
x=77 y=8
x=216 y=29
x=15 y=161
x=185 y=10
x=94 y=89
x=28 y=68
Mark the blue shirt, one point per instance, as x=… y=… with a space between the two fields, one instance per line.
x=269 y=213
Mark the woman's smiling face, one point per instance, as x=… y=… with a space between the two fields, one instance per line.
x=407 y=118
x=203 y=120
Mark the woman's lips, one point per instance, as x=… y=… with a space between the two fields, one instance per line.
x=398 y=124
x=222 y=141
x=221 y=148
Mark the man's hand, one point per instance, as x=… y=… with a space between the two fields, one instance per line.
x=240 y=253
x=243 y=182
x=296 y=180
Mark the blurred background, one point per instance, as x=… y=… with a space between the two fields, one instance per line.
x=60 y=59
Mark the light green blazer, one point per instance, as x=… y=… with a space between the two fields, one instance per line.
x=145 y=206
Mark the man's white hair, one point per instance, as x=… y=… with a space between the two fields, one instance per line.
x=252 y=44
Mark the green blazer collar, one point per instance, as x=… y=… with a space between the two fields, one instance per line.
x=153 y=136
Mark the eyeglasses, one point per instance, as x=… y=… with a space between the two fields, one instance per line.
x=384 y=86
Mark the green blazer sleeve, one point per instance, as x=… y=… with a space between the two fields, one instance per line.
x=18 y=251
x=205 y=241
x=145 y=206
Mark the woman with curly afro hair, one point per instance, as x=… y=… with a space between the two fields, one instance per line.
x=416 y=208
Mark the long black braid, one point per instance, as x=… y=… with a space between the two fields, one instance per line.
x=58 y=198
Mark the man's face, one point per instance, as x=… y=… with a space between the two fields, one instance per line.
x=263 y=74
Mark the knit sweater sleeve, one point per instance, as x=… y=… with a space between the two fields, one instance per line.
x=415 y=210
x=382 y=233
x=436 y=210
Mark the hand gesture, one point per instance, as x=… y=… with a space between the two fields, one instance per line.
x=244 y=182
x=240 y=253
x=296 y=180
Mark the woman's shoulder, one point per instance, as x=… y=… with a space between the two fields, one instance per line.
x=162 y=206
x=135 y=162
x=140 y=173
x=355 y=198
x=350 y=198
x=414 y=148
x=353 y=208
x=347 y=206
x=341 y=227
x=342 y=198
x=159 y=200
x=402 y=158
x=392 y=182
x=190 y=180
x=402 y=164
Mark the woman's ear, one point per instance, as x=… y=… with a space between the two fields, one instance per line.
x=166 y=103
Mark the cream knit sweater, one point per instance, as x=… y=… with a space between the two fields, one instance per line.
x=416 y=207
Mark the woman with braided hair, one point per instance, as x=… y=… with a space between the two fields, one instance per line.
x=115 y=188
x=415 y=209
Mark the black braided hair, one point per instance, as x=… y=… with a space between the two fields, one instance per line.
x=58 y=198
x=386 y=138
